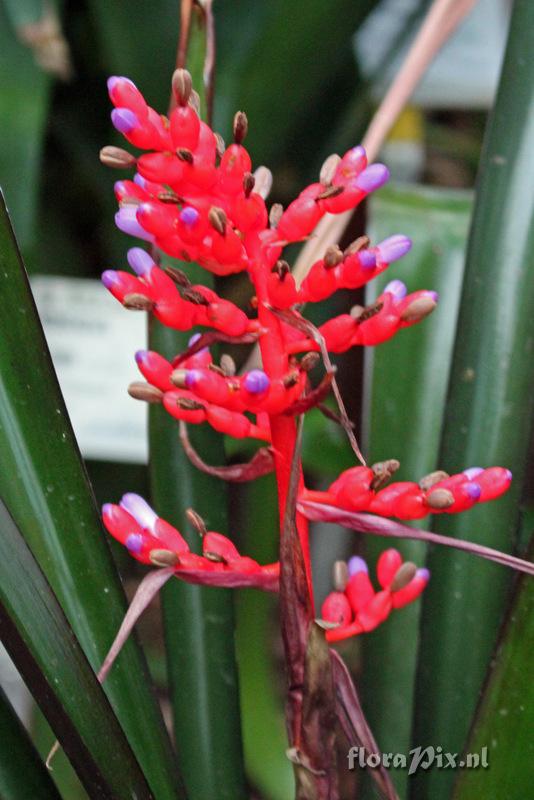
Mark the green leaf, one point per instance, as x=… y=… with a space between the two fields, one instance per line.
x=262 y=685
x=44 y=485
x=23 y=111
x=22 y=773
x=406 y=390
x=489 y=415
x=198 y=621
x=49 y=658
x=303 y=39
x=505 y=716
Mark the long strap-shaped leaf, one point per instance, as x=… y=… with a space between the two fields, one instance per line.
x=489 y=413
x=44 y=649
x=404 y=384
x=198 y=622
x=44 y=484
x=22 y=773
x=505 y=716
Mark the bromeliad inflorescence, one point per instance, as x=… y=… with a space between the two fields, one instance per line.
x=195 y=199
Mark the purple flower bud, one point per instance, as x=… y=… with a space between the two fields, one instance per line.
x=472 y=472
x=140 y=261
x=139 y=180
x=397 y=289
x=124 y=120
x=192 y=378
x=256 y=381
x=357 y=564
x=115 y=79
x=189 y=216
x=473 y=490
x=433 y=295
x=110 y=278
x=358 y=152
x=134 y=542
x=367 y=259
x=393 y=248
x=141 y=356
x=138 y=507
x=373 y=177
x=423 y=573
x=126 y=221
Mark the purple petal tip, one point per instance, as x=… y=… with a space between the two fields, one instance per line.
x=109 y=278
x=126 y=221
x=373 y=177
x=124 y=120
x=393 y=248
x=473 y=490
x=140 y=261
x=397 y=289
x=367 y=259
x=509 y=475
x=189 y=216
x=138 y=507
x=113 y=80
x=256 y=381
x=192 y=377
x=434 y=295
x=134 y=542
x=106 y=508
x=472 y=472
x=141 y=356
x=357 y=564
x=424 y=573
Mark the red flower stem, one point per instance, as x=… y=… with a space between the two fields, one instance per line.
x=283 y=428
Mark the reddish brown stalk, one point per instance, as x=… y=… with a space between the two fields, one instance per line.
x=262 y=463
x=381 y=526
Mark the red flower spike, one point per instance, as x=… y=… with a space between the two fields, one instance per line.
x=194 y=207
x=408 y=500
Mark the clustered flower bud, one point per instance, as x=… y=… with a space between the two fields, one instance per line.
x=355 y=607
x=152 y=540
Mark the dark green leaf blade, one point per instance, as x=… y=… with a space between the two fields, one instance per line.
x=44 y=484
x=407 y=380
x=505 y=716
x=49 y=658
x=489 y=414
x=198 y=621
x=22 y=773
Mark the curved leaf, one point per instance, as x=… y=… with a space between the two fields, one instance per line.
x=49 y=658
x=489 y=414
x=505 y=716
x=44 y=485
x=22 y=773
x=407 y=380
